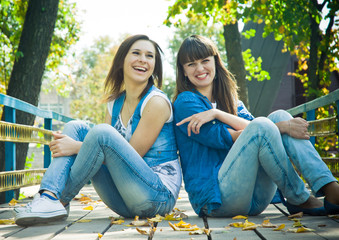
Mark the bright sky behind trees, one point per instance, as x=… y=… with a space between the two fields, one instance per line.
x=117 y=17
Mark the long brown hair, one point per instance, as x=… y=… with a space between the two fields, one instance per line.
x=224 y=89
x=114 y=83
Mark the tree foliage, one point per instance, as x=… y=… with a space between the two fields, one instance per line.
x=12 y=16
x=88 y=82
x=309 y=29
x=206 y=14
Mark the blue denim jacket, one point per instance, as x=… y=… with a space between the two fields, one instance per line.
x=164 y=148
x=201 y=155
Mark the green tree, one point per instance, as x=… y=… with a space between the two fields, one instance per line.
x=88 y=84
x=309 y=29
x=12 y=17
x=195 y=25
x=203 y=15
x=27 y=51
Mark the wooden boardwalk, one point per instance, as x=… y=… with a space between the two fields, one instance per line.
x=96 y=224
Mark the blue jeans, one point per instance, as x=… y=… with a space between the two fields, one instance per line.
x=260 y=160
x=122 y=179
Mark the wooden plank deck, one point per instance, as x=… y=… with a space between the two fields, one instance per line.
x=89 y=224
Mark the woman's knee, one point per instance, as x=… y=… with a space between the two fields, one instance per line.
x=279 y=115
x=74 y=125
x=102 y=131
x=264 y=126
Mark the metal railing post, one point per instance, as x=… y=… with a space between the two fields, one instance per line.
x=10 y=154
x=47 y=151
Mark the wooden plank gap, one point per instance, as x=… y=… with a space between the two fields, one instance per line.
x=204 y=218
x=67 y=226
x=259 y=235
x=282 y=211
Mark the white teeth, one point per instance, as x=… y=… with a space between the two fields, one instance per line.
x=202 y=75
x=140 y=69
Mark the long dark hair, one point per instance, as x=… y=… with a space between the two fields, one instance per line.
x=224 y=89
x=114 y=83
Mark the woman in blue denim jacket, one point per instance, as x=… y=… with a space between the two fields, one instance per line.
x=131 y=160
x=232 y=163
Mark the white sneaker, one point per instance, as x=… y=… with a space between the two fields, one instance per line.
x=16 y=210
x=41 y=210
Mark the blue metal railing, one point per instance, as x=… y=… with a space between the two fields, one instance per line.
x=12 y=104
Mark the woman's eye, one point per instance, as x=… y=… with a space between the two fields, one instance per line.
x=136 y=53
x=150 y=56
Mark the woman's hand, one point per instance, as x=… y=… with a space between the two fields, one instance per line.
x=295 y=127
x=63 y=145
x=197 y=120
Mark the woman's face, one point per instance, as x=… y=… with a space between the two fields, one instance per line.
x=139 y=62
x=201 y=72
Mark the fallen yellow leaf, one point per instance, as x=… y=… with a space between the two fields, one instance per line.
x=88 y=208
x=172 y=217
x=182 y=226
x=139 y=223
x=297 y=224
x=117 y=222
x=143 y=232
x=84 y=198
x=304 y=229
x=239 y=217
x=300 y=230
x=297 y=215
x=157 y=218
x=249 y=225
x=267 y=224
x=99 y=235
x=280 y=227
x=6 y=221
x=84 y=220
x=178 y=214
x=236 y=224
x=13 y=202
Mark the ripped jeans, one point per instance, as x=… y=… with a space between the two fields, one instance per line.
x=260 y=161
x=122 y=179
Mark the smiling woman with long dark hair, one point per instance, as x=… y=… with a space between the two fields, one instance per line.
x=232 y=163
x=131 y=160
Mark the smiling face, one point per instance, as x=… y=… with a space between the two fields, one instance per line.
x=201 y=73
x=139 y=62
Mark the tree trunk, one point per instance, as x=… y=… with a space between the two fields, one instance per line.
x=313 y=61
x=235 y=60
x=26 y=77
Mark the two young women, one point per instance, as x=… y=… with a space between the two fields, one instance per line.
x=232 y=163
x=131 y=160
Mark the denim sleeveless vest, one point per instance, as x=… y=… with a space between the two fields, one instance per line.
x=164 y=148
